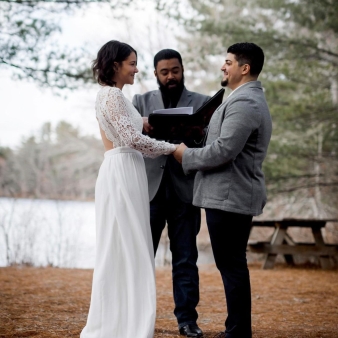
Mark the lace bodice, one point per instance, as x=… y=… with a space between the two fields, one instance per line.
x=122 y=124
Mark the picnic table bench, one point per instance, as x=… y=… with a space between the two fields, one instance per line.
x=281 y=242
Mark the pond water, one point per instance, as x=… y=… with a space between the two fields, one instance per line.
x=57 y=233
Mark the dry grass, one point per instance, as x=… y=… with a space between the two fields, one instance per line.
x=287 y=302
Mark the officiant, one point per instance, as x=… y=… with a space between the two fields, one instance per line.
x=171 y=191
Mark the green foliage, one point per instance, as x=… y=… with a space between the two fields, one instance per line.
x=300 y=78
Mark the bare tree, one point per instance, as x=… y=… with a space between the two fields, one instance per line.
x=30 y=41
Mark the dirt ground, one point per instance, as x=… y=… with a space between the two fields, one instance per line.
x=287 y=302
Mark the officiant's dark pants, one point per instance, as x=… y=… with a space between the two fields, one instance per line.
x=183 y=226
x=229 y=234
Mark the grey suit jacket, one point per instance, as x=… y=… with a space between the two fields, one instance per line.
x=230 y=175
x=183 y=184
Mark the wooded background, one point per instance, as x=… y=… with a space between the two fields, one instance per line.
x=300 y=79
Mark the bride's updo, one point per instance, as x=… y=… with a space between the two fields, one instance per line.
x=103 y=65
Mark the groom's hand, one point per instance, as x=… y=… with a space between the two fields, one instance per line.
x=178 y=153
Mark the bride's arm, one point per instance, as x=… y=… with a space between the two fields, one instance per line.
x=116 y=117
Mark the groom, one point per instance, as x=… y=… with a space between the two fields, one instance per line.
x=170 y=191
x=229 y=182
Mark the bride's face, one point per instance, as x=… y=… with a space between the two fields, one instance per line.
x=126 y=70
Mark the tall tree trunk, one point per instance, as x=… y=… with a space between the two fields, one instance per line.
x=320 y=212
x=334 y=90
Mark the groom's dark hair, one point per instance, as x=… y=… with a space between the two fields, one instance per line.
x=103 y=66
x=247 y=52
x=167 y=54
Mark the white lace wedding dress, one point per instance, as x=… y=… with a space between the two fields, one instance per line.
x=123 y=300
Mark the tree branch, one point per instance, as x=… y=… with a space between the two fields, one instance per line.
x=36 y=2
x=78 y=76
x=300 y=187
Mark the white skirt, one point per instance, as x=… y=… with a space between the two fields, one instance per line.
x=123 y=300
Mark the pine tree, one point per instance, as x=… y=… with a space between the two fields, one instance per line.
x=300 y=78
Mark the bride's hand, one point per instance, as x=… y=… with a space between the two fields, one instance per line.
x=178 y=153
x=176 y=145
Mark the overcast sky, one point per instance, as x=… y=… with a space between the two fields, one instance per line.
x=25 y=106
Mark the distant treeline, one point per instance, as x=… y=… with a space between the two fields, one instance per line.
x=59 y=163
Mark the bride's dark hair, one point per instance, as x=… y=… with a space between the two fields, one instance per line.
x=103 y=66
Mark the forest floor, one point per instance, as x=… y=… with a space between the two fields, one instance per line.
x=300 y=302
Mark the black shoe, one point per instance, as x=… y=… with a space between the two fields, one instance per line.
x=191 y=330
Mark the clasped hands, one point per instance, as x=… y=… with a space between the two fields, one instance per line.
x=178 y=153
x=180 y=148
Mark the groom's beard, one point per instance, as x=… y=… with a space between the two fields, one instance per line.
x=171 y=96
x=224 y=83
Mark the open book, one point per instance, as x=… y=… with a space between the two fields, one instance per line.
x=181 y=123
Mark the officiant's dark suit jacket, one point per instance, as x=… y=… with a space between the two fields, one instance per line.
x=183 y=184
x=230 y=176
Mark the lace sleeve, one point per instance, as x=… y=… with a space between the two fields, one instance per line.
x=118 y=121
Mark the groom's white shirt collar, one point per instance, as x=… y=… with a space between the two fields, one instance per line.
x=238 y=88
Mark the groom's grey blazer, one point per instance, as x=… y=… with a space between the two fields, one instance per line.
x=230 y=176
x=183 y=184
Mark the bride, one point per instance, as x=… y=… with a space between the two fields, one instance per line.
x=123 y=300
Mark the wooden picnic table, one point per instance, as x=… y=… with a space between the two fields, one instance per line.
x=282 y=243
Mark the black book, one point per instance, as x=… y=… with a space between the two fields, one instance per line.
x=172 y=124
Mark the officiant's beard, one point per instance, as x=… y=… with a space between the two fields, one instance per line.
x=171 y=92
